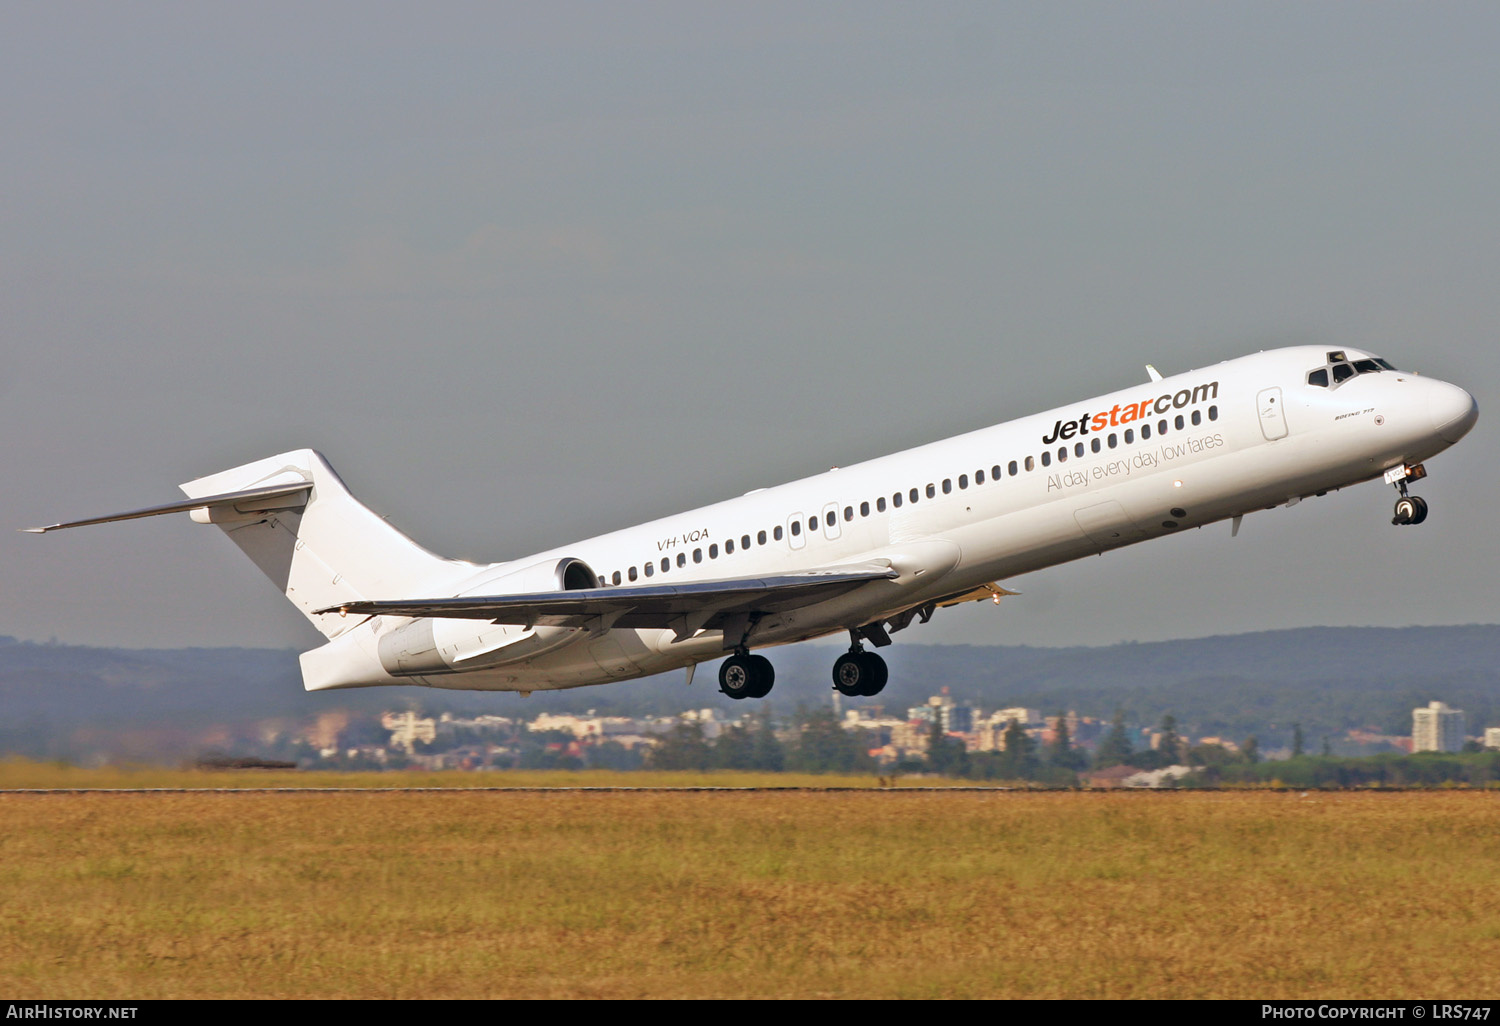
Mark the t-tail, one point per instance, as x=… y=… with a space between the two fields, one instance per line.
x=293 y=516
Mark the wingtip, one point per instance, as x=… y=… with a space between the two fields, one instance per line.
x=33 y=530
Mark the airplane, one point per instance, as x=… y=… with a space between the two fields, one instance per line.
x=864 y=550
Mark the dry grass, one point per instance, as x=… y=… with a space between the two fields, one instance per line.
x=23 y=773
x=750 y=895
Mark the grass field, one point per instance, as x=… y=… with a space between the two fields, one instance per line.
x=763 y=894
x=23 y=773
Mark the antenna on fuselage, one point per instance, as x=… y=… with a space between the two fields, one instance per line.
x=1155 y=374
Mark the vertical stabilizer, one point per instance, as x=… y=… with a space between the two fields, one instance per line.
x=325 y=549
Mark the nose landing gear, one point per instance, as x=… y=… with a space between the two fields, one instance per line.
x=1409 y=508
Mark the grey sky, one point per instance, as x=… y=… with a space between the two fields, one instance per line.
x=526 y=273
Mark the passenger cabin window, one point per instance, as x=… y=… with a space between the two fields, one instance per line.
x=1161 y=427
x=896 y=500
x=713 y=551
x=760 y=537
x=682 y=559
x=1213 y=413
x=831 y=518
x=978 y=477
x=1046 y=458
x=1178 y=422
x=1062 y=454
x=1129 y=435
x=1094 y=444
x=776 y=531
x=1030 y=463
x=650 y=569
x=912 y=495
x=615 y=577
x=666 y=564
x=931 y=491
x=796 y=527
x=812 y=524
x=1013 y=467
x=1114 y=440
x=1145 y=431
x=697 y=555
x=880 y=504
x=630 y=573
x=864 y=509
x=728 y=546
x=745 y=540
x=1197 y=417
x=1078 y=447
x=848 y=513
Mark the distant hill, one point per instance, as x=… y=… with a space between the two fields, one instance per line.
x=1328 y=679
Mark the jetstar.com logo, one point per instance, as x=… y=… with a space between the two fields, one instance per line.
x=1124 y=414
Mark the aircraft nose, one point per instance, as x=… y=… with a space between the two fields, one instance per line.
x=1453 y=411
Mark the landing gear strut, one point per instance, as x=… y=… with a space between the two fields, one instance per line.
x=859 y=674
x=1409 y=508
x=743 y=675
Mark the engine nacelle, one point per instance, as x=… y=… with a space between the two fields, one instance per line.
x=451 y=645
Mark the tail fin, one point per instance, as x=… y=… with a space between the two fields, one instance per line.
x=325 y=551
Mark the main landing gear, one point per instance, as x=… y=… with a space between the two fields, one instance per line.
x=743 y=675
x=859 y=674
x=1409 y=508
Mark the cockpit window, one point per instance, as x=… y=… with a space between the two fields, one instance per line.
x=1342 y=369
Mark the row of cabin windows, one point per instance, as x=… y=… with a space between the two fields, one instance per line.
x=914 y=495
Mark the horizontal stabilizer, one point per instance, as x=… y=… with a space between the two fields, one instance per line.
x=701 y=603
x=251 y=500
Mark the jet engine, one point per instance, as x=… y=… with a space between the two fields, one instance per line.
x=432 y=645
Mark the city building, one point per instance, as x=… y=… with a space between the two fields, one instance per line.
x=1437 y=728
x=1492 y=737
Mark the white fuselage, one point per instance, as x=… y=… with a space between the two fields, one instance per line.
x=1146 y=461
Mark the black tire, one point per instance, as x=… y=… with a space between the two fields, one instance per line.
x=737 y=677
x=877 y=673
x=1421 y=510
x=765 y=676
x=1406 y=510
x=850 y=674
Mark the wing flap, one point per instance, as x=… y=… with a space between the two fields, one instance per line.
x=703 y=604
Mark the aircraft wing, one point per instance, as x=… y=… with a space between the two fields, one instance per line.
x=685 y=608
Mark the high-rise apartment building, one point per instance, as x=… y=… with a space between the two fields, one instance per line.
x=1437 y=728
